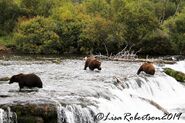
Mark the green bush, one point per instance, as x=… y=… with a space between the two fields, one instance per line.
x=157 y=43
x=38 y=35
x=175 y=28
x=9 y=13
x=32 y=8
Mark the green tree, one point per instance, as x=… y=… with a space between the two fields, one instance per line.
x=175 y=27
x=157 y=43
x=9 y=13
x=38 y=35
x=138 y=20
x=68 y=25
x=38 y=7
x=97 y=7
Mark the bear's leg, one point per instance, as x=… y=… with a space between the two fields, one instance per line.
x=91 y=68
x=140 y=69
x=20 y=87
x=99 y=68
x=85 y=67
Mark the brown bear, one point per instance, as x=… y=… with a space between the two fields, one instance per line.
x=147 y=67
x=92 y=63
x=26 y=80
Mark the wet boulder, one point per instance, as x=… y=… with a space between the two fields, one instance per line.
x=33 y=113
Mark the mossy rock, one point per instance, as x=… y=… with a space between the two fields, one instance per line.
x=33 y=113
x=179 y=76
x=30 y=119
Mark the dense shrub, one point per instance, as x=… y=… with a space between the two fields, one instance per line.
x=94 y=26
x=157 y=43
x=9 y=12
x=175 y=28
x=38 y=35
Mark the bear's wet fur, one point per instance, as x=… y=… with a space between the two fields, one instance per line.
x=92 y=62
x=26 y=80
x=147 y=67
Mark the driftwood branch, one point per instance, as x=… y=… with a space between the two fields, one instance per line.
x=107 y=51
x=127 y=53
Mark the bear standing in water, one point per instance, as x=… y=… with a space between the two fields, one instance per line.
x=26 y=80
x=92 y=63
x=147 y=67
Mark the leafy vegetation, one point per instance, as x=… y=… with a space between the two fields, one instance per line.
x=156 y=27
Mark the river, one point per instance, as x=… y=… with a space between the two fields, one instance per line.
x=92 y=96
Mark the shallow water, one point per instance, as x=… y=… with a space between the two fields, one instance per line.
x=65 y=79
x=91 y=92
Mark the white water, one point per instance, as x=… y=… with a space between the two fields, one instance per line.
x=1 y=115
x=77 y=113
x=160 y=88
x=7 y=116
x=179 y=66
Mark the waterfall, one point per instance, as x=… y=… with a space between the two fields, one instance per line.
x=1 y=115
x=144 y=94
x=143 y=98
x=7 y=116
x=76 y=114
x=97 y=97
x=179 y=66
x=152 y=95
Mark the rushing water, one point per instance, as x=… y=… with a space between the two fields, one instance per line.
x=89 y=95
x=7 y=116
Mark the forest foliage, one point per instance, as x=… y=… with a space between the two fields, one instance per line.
x=157 y=27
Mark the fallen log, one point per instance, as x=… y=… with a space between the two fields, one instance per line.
x=144 y=60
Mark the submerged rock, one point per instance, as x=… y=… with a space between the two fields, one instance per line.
x=179 y=76
x=33 y=113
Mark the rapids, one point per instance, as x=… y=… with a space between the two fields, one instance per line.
x=92 y=96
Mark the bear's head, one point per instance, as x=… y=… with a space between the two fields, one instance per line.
x=15 y=78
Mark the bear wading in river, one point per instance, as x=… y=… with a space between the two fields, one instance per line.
x=92 y=63
x=26 y=80
x=147 y=67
